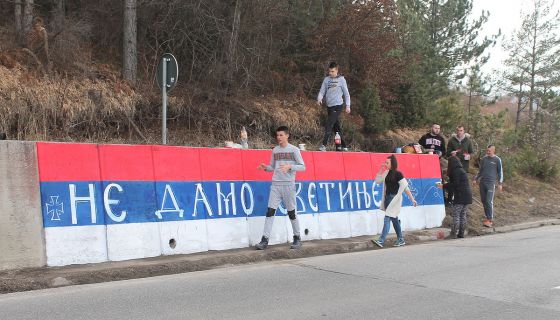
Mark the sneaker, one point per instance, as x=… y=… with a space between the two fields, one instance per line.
x=377 y=243
x=322 y=148
x=263 y=244
x=297 y=243
x=487 y=223
x=344 y=149
x=399 y=243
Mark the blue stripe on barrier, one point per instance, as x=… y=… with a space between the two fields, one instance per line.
x=97 y=203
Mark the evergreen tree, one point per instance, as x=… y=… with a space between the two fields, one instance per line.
x=534 y=55
x=478 y=89
x=376 y=120
x=441 y=35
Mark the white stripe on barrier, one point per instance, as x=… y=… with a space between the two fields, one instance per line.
x=277 y=235
x=333 y=225
x=182 y=237
x=363 y=223
x=227 y=233
x=133 y=241
x=75 y=245
x=412 y=218
x=434 y=215
x=309 y=222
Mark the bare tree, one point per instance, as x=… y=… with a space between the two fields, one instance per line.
x=27 y=21
x=232 y=47
x=17 y=16
x=58 y=16
x=129 y=41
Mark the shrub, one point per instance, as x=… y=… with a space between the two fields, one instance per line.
x=376 y=120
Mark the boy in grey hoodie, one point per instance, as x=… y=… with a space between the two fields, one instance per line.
x=285 y=161
x=333 y=89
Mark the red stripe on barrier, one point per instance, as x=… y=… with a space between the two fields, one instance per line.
x=357 y=166
x=328 y=166
x=126 y=163
x=407 y=164
x=90 y=162
x=377 y=159
x=176 y=163
x=429 y=166
x=68 y=162
x=251 y=160
x=221 y=164
x=309 y=173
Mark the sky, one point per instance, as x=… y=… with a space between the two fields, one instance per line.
x=504 y=15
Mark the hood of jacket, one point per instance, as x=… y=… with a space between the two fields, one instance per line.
x=467 y=135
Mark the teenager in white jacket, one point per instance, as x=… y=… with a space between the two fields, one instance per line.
x=394 y=184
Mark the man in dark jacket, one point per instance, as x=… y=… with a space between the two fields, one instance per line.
x=433 y=141
x=460 y=187
x=460 y=145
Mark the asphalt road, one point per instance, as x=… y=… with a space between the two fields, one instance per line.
x=504 y=276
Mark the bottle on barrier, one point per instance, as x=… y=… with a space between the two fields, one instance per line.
x=337 y=142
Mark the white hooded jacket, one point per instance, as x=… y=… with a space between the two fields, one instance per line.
x=394 y=207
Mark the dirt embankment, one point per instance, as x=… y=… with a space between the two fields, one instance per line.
x=522 y=200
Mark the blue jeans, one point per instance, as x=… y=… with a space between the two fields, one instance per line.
x=387 y=222
x=387 y=225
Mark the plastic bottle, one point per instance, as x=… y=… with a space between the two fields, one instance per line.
x=337 y=141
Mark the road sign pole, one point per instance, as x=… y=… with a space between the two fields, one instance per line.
x=164 y=101
x=167 y=75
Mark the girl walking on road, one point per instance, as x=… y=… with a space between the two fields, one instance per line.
x=391 y=202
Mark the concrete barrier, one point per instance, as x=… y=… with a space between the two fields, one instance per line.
x=71 y=196
x=119 y=202
x=21 y=227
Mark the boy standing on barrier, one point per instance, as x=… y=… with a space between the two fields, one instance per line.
x=333 y=90
x=285 y=161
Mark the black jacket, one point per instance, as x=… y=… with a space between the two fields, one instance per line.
x=428 y=141
x=460 y=186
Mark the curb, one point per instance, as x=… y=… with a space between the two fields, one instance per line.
x=520 y=226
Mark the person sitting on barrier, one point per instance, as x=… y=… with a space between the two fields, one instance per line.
x=394 y=184
x=460 y=187
x=285 y=161
x=433 y=141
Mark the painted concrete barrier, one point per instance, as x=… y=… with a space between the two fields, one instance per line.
x=119 y=202
x=21 y=227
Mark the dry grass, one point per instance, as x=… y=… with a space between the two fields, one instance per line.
x=61 y=108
